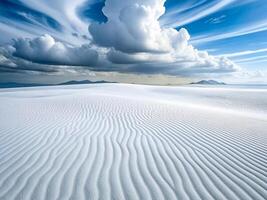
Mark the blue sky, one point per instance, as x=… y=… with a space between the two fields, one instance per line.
x=237 y=27
x=233 y=29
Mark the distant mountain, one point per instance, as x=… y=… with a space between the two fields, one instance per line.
x=15 y=85
x=83 y=82
x=209 y=82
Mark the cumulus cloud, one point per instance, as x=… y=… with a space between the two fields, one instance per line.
x=15 y=64
x=133 y=35
x=133 y=26
x=45 y=50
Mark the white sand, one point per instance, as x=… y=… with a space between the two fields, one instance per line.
x=119 y=141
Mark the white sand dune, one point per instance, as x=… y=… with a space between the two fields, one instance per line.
x=119 y=141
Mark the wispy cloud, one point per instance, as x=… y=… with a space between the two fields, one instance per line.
x=195 y=14
x=248 y=29
x=216 y=20
x=244 y=53
x=252 y=60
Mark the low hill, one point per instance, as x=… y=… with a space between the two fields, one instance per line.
x=209 y=82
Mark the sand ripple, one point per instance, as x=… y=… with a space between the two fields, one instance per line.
x=86 y=144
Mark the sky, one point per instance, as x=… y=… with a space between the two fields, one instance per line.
x=137 y=41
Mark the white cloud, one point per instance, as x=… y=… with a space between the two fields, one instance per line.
x=252 y=59
x=189 y=16
x=64 y=11
x=134 y=35
x=248 y=29
x=244 y=53
x=216 y=20
x=45 y=50
x=133 y=27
